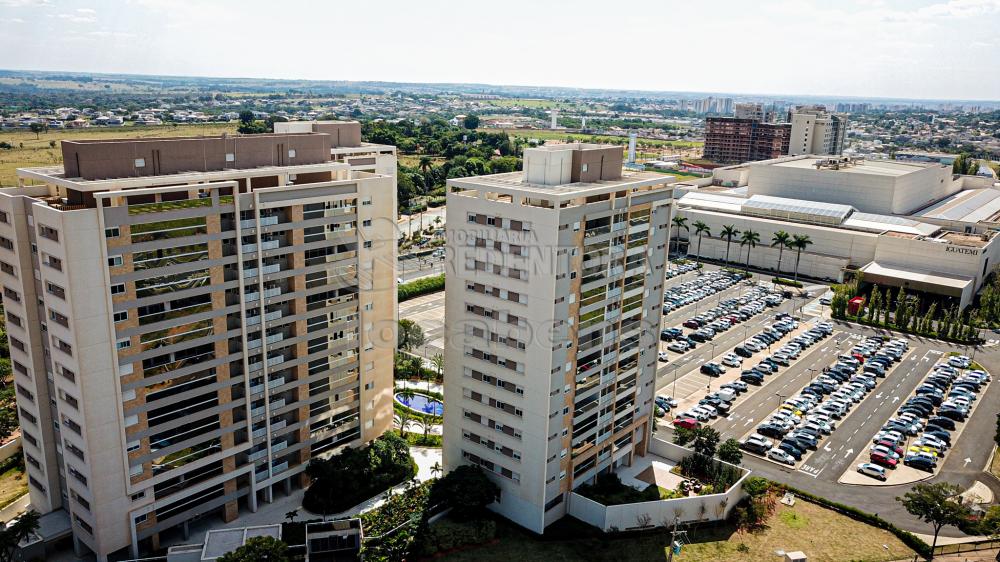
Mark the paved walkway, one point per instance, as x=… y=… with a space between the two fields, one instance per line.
x=17 y=507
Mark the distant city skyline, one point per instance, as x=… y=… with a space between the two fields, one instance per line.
x=925 y=49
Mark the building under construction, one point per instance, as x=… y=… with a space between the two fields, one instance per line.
x=732 y=140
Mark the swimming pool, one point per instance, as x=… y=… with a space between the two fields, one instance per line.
x=421 y=403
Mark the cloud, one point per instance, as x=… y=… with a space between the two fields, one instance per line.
x=24 y=3
x=76 y=18
x=11 y=20
x=86 y=11
x=111 y=34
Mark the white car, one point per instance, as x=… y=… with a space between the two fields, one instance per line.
x=678 y=346
x=664 y=356
x=732 y=360
x=873 y=470
x=781 y=456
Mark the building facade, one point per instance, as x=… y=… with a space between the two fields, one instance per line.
x=552 y=315
x=814 y=131
x=193 y=319
x=733 y=140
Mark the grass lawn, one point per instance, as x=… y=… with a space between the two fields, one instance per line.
x=995 y=465
x=532 y=103
x=39 y=153
x=817 y=531
x=13 y=484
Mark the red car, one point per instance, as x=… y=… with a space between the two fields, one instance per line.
x=859 y=357
x=693 y=324
x=686 y=423
x=883 y=460
x=891 y=446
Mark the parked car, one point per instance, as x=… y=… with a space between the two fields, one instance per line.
x=781 y=456
x=686 y=423
x=873 y=470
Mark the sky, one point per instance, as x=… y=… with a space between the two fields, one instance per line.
x=923 y=49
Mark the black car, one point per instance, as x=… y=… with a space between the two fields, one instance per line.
x=710 y=370
x=792 y=448
x=940 y=433
x=939 y=421
x=742 y=351
x=768 y=430
x=920 y=463
x=753 y=447
x=752 y=378
x=953 y=414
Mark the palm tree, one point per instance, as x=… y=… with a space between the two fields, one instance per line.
x=749 y=239
x=679 y=222
x=700 y=229
x=799 y=242
x=781 y=240
x=436 y=469
x=438 y=362
x=425 y=166
x=729 y=232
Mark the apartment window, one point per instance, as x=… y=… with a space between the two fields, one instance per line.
x=52 y=261
x=11 y=294
x=62 y=346
x=58 y=318
x=72 y=425
x=583 y=168
x=36 y=484
x=230 y=157
x=53 y=289
x=14 y=319
x=140 y=162
x=368 y=243
x=138 y=496
x=83 y=524
x=7 y=243
x=28 y=416
x=4 y=217
x=18 y=344
x=366 y=222
x=117 y=288
x=123 y=344
x=84 y=503
x=366 y=202
x=114 y=261
x=291 y=153
x=8 y=269
x=48 y=232
x=113 y=232
x=69 y=399
x=141 y=518
x=121 y=316
x=32 y=461
x=66 y=373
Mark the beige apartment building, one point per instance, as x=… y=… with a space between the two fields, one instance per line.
x=814 y=131
x=192 y=320
x=552 y=317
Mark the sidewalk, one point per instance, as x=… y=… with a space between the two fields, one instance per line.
x=17 y=507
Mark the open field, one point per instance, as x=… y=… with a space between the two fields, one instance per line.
x=562 y=136
x=40 y=153
x=13 y=484
x=791 y=528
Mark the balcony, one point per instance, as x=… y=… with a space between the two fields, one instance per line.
x=264 y=221
x=278 y=404
x=258 y=433
x=258 y=411
x=274 y=383
x=253 y=457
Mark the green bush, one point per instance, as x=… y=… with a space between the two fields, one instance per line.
x=907 y=538
x=788 y=282
x=436 y=201
x=420 y=287
x=446 y=535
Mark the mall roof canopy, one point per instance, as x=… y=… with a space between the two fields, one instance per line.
x=926 y=281
x=712 y=201
x=796 y=209
x=891 y=223
x=973 y=205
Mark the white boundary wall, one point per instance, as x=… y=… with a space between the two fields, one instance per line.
x=713 y=507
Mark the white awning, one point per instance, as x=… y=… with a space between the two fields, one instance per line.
x=932 y=282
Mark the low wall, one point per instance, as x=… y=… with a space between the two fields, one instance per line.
x=712 y=507
x=10 y=448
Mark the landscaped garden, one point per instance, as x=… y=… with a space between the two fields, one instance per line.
x=355 y=475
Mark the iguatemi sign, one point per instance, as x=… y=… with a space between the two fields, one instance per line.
x=961 y=250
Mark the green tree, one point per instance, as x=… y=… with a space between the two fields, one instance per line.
x=750 y=239
x=411 y=335
x=466 y=490
x=15 y=532
x=729 y=451
x=679 y=222
x=38 y=128
x=706 y=440
x=701 y=229
x=938 y=505
x=257 y=549
x=729 y=232
x=781 y=240
x=471 y=122
x=799 y=242
x=874 y=303
x=8 y=411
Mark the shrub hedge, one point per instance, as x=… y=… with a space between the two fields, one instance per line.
x=420 y=287
x=907 y=538
x=448 y=534
x=788 y=282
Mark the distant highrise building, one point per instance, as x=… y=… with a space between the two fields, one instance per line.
x=193 y=319
x=754 y=111
x=553 y=312
x=730 y=140
x=814 y=131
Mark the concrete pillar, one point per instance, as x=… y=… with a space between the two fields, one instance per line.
x=231 y=511
x=154 y=541
x=78 y=547
x=252 y=500
x=269 y=493
x=184 y=530
x=288 y=485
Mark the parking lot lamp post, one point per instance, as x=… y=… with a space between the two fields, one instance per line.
x=746 y=330
x=673 y=390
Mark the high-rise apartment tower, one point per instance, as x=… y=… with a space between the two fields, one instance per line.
x=552 y=317
x=192 y=319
